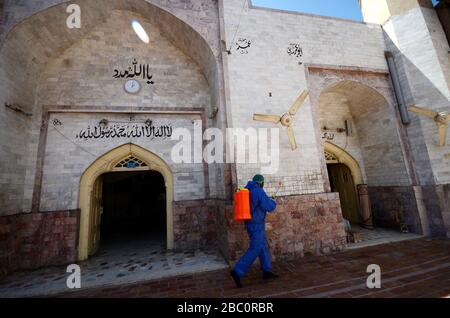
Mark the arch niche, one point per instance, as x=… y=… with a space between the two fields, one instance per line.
x=110 y=162
x=377 y=139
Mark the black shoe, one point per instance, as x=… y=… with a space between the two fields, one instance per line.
x=269 y=275
x=236 y=278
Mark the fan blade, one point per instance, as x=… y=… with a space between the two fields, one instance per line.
x=442 y=134
x=300 y=100
x=267 y=118
x=448 y=118
x=423 y=111
x=291 y=135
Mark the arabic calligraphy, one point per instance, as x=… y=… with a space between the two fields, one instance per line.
x=56 y=122
x=126 y=131
x=136 y=71
x=243 y=45
x=295 y=50
x=328 y=135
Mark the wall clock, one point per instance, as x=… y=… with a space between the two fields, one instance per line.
x=132 y=86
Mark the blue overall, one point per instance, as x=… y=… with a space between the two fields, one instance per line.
x=260 y=204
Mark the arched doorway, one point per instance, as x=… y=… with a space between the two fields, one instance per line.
x=133 y=209
x=126 y=166
x=359 y=119
x=341 y=181
x=344 y=175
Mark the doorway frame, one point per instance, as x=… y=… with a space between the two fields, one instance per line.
x=345 y=158
x=107 y=163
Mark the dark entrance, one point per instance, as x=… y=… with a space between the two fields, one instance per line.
x=341 y=181
x=134 y=207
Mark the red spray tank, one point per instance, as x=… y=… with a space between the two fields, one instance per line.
x=242 y=205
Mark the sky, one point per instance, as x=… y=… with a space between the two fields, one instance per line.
x=346 y=9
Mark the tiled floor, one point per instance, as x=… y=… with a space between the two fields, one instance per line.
x=117 y=263
x=414 y=268
x=411 y=268
x=380 y=236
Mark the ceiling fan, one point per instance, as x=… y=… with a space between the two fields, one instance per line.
x=440 y=118
x=287 y=120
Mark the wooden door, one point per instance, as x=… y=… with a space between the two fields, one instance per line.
x=95 y=217
x=341 y=181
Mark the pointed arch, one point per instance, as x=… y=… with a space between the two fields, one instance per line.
x=375 y=126
x=344 y=157
x=108 y=163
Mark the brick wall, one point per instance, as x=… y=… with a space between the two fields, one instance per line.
x=38 y=239
x=301 y=224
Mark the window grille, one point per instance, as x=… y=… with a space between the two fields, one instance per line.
x=131 y=162
x=330 y=157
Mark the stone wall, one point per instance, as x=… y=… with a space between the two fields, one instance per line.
x=436 y=200
x=418 y=42
x=334 y=110
x=67 y=157
x=34 y=240
x=38 y=239
x=198 y=224
x=2 y=16
x=201 y=15
x=82 y=75
x=365 y=97
x=445 y=199
x=392 y=205
x=58 y=65
x=267 y=80
x=379 y=11
x=300 y=225
x=13 y=160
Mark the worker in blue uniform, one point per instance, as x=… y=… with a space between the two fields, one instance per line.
x=260 y=204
